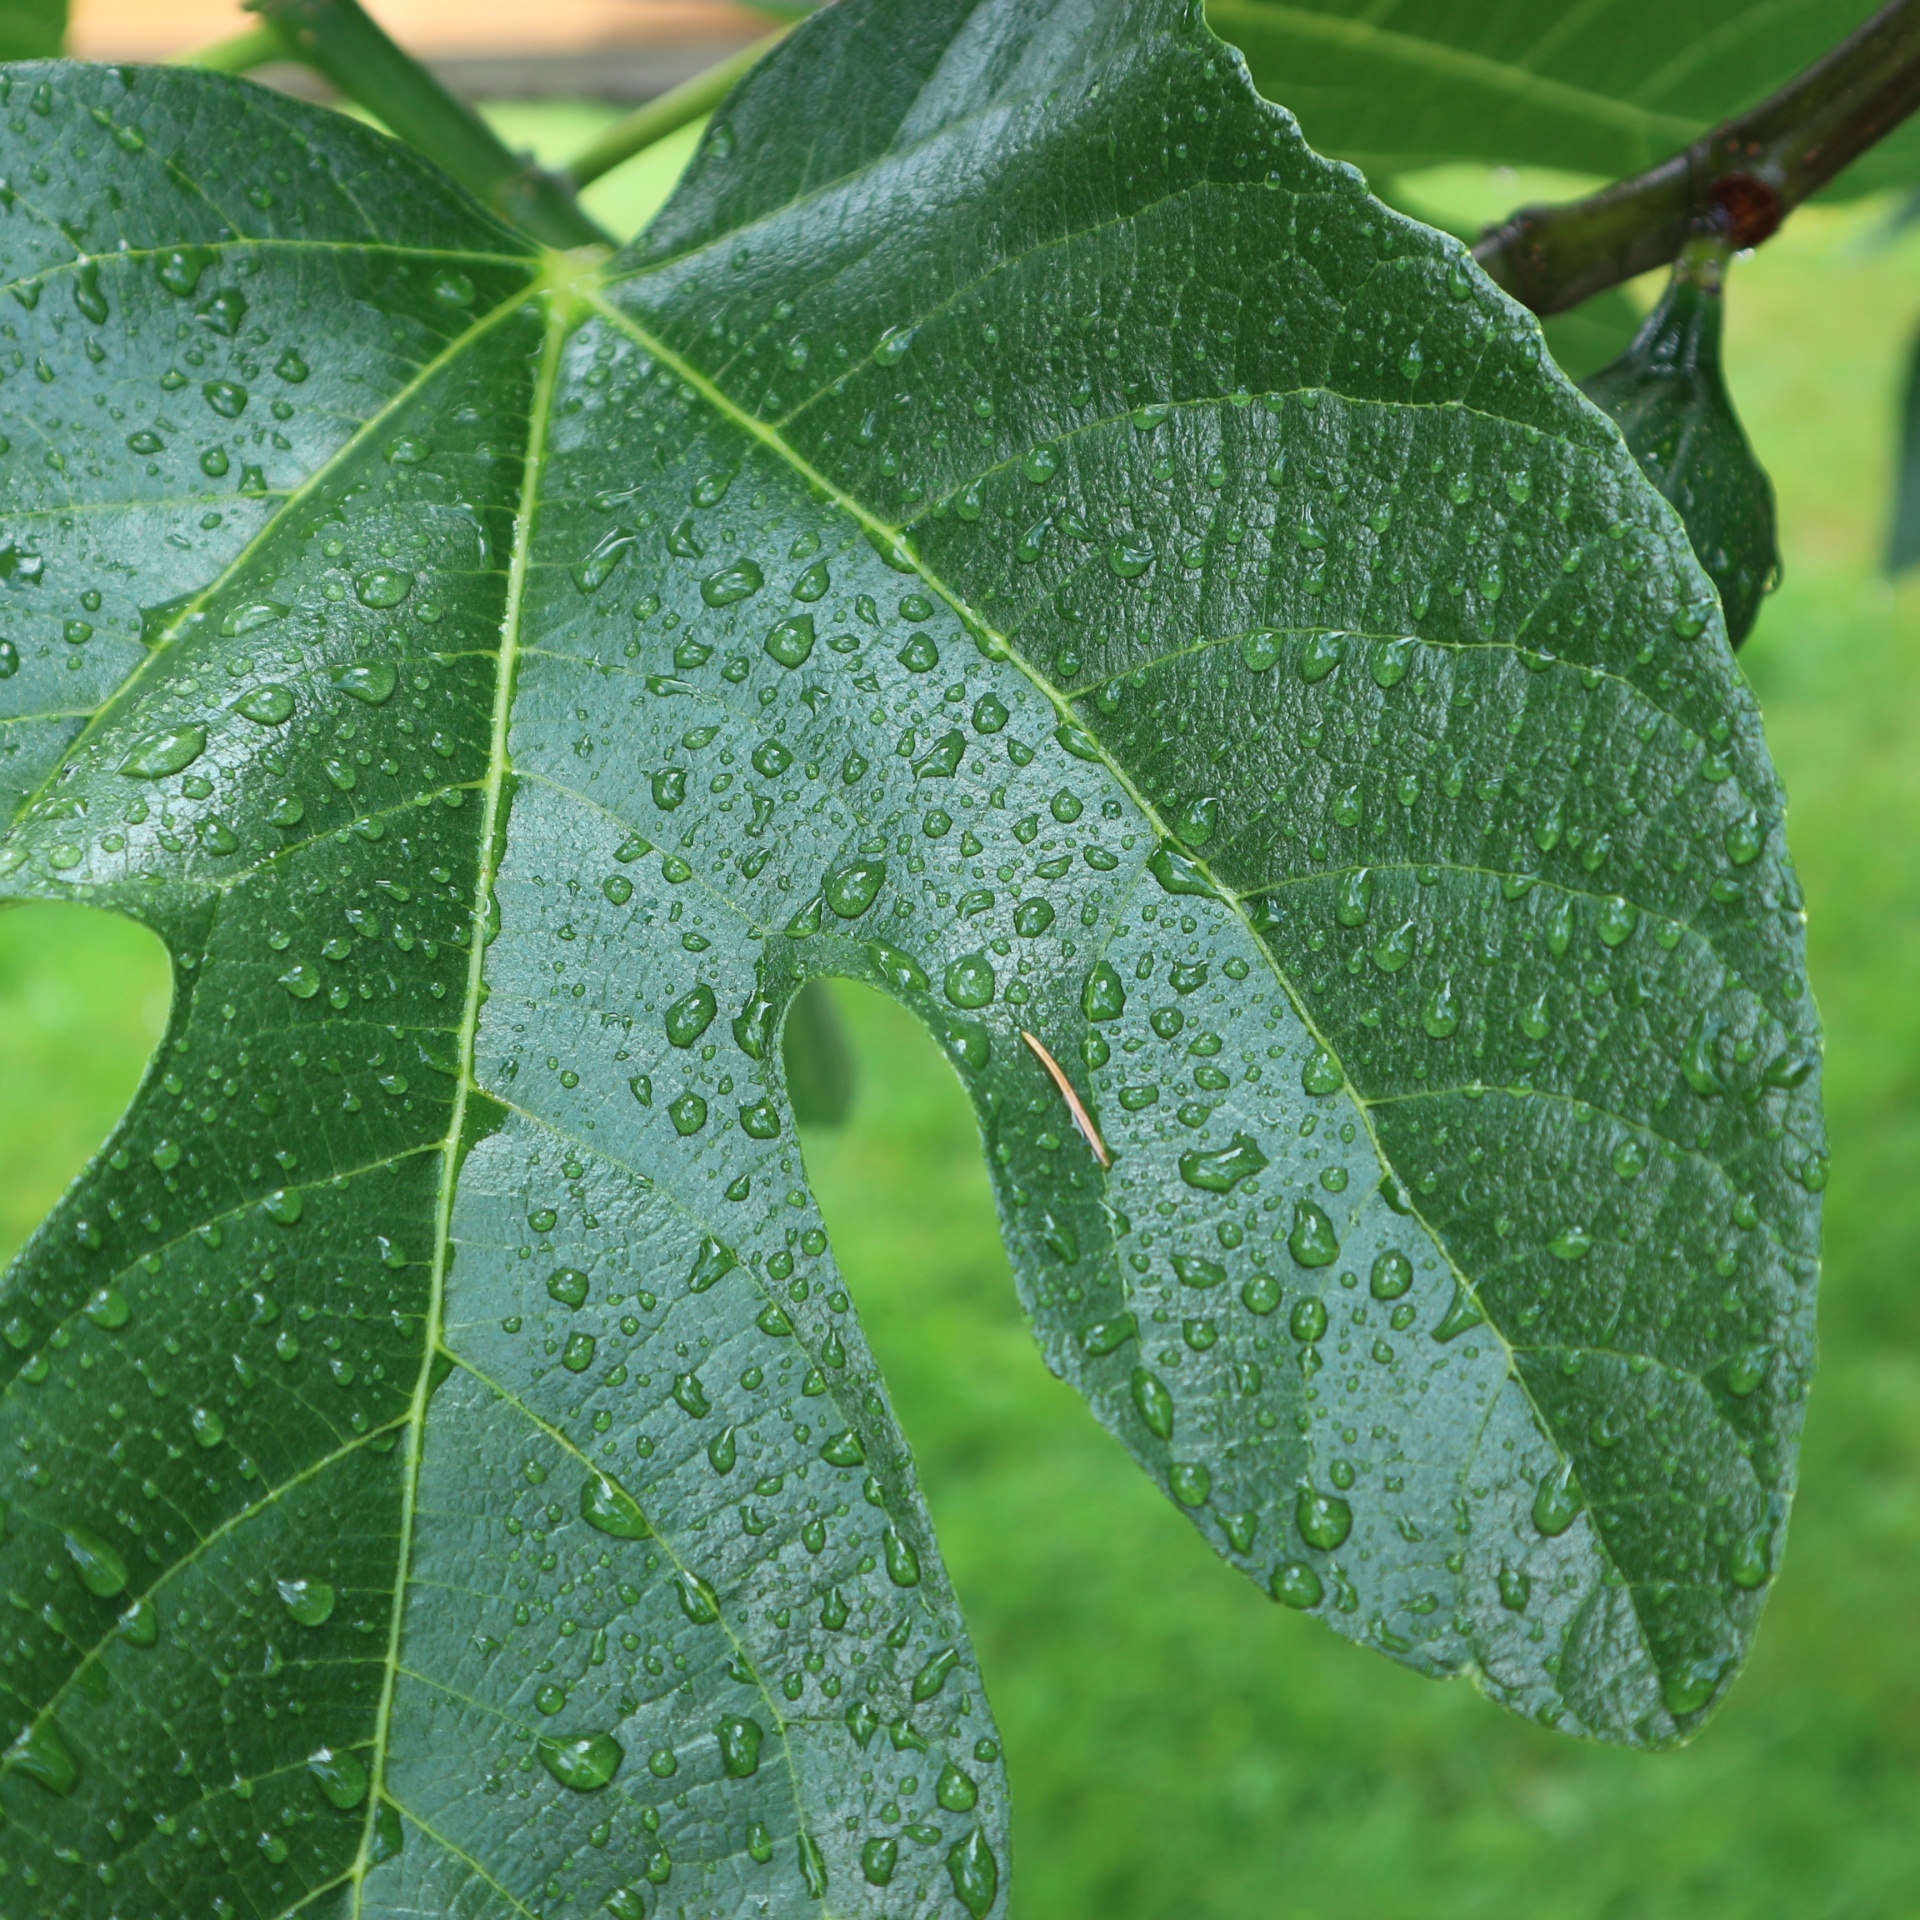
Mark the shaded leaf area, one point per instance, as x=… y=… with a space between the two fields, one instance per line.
x=1607 y=88
x=1669 y=396
x=1294 y=712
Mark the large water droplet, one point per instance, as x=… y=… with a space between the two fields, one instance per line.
x=1557 y=1502
x=585 y=1764
x=310 y=1602
x=1223 y=1169
x=102 y=1571
x=851 y=889
x=342 y=1776
x=1324 y=1519
x=157 y=755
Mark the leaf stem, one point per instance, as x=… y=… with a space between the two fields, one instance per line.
x=238 y=52
x=340 y=40
x=667 y=113
x=1740 y=180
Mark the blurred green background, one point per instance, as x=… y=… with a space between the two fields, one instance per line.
x=1181 y=1748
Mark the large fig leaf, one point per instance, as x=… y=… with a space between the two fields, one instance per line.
x=1021 y=531
x=1598 y=86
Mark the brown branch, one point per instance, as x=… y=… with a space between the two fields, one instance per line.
x=1740 y=181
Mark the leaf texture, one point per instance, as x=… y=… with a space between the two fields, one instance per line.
x=1033 y=538
x=1605 y=88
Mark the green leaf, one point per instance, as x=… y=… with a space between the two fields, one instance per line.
x=1903 y=538
x=1584 y=338
x=1669 y=396
x=31 y=29
x=1291 y=725
x=819 y=1059
x=1604 y=88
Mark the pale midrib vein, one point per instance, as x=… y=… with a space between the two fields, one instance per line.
x=893 y=539
x=341 y=455
x=491 y=824
x=1457 y=63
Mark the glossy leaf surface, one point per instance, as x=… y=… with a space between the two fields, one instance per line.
x=1603 y=88
x=504 y=681
x=1669 y=395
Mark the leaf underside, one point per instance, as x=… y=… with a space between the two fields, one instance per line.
x=1605 y=88
x=1027 y=535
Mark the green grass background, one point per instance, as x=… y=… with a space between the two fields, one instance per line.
x=1182 y=1749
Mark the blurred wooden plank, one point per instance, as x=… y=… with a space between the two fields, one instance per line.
x=440 y=29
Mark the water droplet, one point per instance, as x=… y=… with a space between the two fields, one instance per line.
x=585 y=1764
x=342 y=1777
x=1570 y=1243
x=1557 y=1502
x=1295 y=1584
x=108 y=1308
x=1189 y=1482
x=697 y=1600
x=1311 y=1240
x=1324 y=1519
x=156 y=755
x=225 y=398
x=283 y=1208
x=1261 y=649
x=597 y=568
x=310 y=1602
x=180 y=269
x=790 y=642
x=1441 y=1015
x=1320 y=655
x=609 y=1508
x=1131 y=555
x=1223 y=1169
x=740 y=1740
x=1392 y=1275
x=381 y=587
x=740 y=581
x=42 y=1756
x=932 y=1675
x=102 y=1571
x=851 y=889
x=1155 y=1402
x=970 y=981
x=713 y=1260
x=690 y=1016
x=1688 y=1688
x=266 y=706
x=370 y=681
x=975 y=1873
x=1751 y=1563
